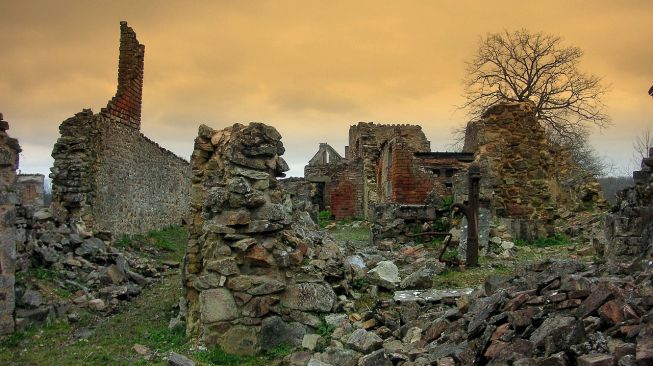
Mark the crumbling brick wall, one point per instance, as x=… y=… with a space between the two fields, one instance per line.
x=125 y=106
x=107 y=174
x=629 y=229
x=9 y=150
x=366 y=141
x=246 y=283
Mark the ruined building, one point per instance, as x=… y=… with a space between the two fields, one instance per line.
x=31 y=188
x=525 y=179
x=9 y=150
x=107 y=174
x=246 y=278
x=382 y=164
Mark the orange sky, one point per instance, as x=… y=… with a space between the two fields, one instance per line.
x=309 y=68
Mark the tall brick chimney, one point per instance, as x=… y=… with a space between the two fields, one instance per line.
x=125 y=106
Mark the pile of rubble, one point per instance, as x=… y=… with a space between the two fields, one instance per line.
x=85 y=269
x=551 y=313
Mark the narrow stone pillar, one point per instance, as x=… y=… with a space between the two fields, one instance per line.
x=247 y=281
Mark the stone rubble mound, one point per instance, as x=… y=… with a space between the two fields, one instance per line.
x=88 y=268
x=559 y=312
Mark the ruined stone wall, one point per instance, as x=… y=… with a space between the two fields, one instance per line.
x=346 y=193
x=410 y=184
x=525 y=177
x=32 y=189
x=366 y=142
x=106 y=173
x=9 y=150
x=125 y=107
x=629 y=228
x=245 y=285
x=404 y=176
x=113 y=178
x=340 y=182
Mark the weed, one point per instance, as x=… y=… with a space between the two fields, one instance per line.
x=555 y=240
x=446 y=203
x=123 y=242
x=166 y=339
x=278 y=352
x=323 y=218
x=219 y=357
x=13 y=340
x=359 y=283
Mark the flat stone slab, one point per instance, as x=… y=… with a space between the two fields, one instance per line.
x=432 y=295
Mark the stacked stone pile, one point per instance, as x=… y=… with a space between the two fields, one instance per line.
x=253 y=279
x=552 y=313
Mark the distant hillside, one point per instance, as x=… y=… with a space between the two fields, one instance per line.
x=612 y=185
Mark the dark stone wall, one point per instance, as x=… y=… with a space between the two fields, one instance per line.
x=107 y=174
x=111 y=177
x=9 y=150
x=629 y=229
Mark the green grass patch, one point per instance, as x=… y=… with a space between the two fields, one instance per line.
x=469 y=277
x=219 y=357
x=360 y=235
x=555 y=240
x=323 y=218
x=171 y=240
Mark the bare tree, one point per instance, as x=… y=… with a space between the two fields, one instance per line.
x=519 y=66
x=643 y=142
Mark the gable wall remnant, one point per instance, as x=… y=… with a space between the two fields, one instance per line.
x=354 y=185
x=32 y=189
x=524 y=176
x=110 y=176
x=9 y=198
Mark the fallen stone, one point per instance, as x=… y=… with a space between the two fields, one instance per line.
x=595 y=360
x=644 y=351
x=175 y=359
x=364 y=341
x=90 y=247
x=311 y=341
x=141 y=349
x=338 y=357
x=31 y=299
x=97 y=304
x=376 y=358
x=385 y=274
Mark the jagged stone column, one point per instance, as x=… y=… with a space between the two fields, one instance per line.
x=629 y=229
x=9 y=150
x=245 y=282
